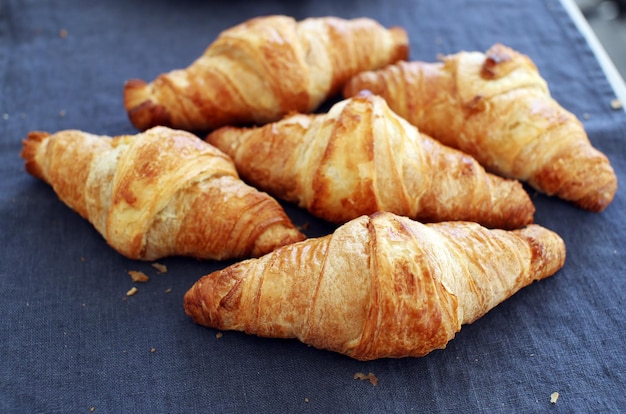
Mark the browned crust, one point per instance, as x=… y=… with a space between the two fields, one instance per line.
x=270 y=157
x=403 y=302
x=216 y=95
x=428 y=95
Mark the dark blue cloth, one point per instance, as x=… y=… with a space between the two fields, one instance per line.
x=72 y=341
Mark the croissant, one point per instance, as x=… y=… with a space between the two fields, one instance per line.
x=497 y=108
x=380 y=286
x=160 y=193
x=262 y=69
x=360 y=158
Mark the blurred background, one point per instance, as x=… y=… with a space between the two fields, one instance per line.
x=607 y=18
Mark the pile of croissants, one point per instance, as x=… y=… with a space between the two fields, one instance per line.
x=419 y=166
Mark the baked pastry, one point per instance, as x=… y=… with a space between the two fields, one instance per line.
x=496 y=107
x=159 y=193
x=262 y=69
x=379 y=286
x=360 y=158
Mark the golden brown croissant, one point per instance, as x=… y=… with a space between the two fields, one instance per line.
x=160 y=193
x=360 y=158
x=262 y=69
x=379 y=286
x=497 y=108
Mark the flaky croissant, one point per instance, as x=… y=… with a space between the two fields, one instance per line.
x=497 y=108
x=379 y=286
x=262 y=69
x=160 y=193
x=360 y=158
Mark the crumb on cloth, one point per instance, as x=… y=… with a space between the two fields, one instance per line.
x=138 y=276
x=161 y=268
x=131 y=291
x=554 y=397
x=371 y=377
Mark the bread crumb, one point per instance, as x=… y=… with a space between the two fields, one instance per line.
x=219 y=335
x=138 y=276
x=161 y=268
x=554 y=397
x=371 y=377
x=586 y=116
x=63 y=33
x=616 y=104
x=153 y=350
x=62 y=113
x=132 y=291
x=306 y=400
x=92 y=409
x=168 y=290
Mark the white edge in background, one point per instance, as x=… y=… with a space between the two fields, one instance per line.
x=606 y=63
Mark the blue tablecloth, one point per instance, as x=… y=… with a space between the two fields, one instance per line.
x=72 y=341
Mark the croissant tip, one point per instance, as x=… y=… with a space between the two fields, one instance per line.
x=135 y=92
x=194 y=304
x=149 y=114
x=401 y=40
x=189 y=303
x=143 y=112
x=520 y=209
x=548 y=250
x=598 y=202
x=29 y=151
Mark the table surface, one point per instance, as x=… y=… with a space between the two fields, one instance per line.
x=72 y=341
